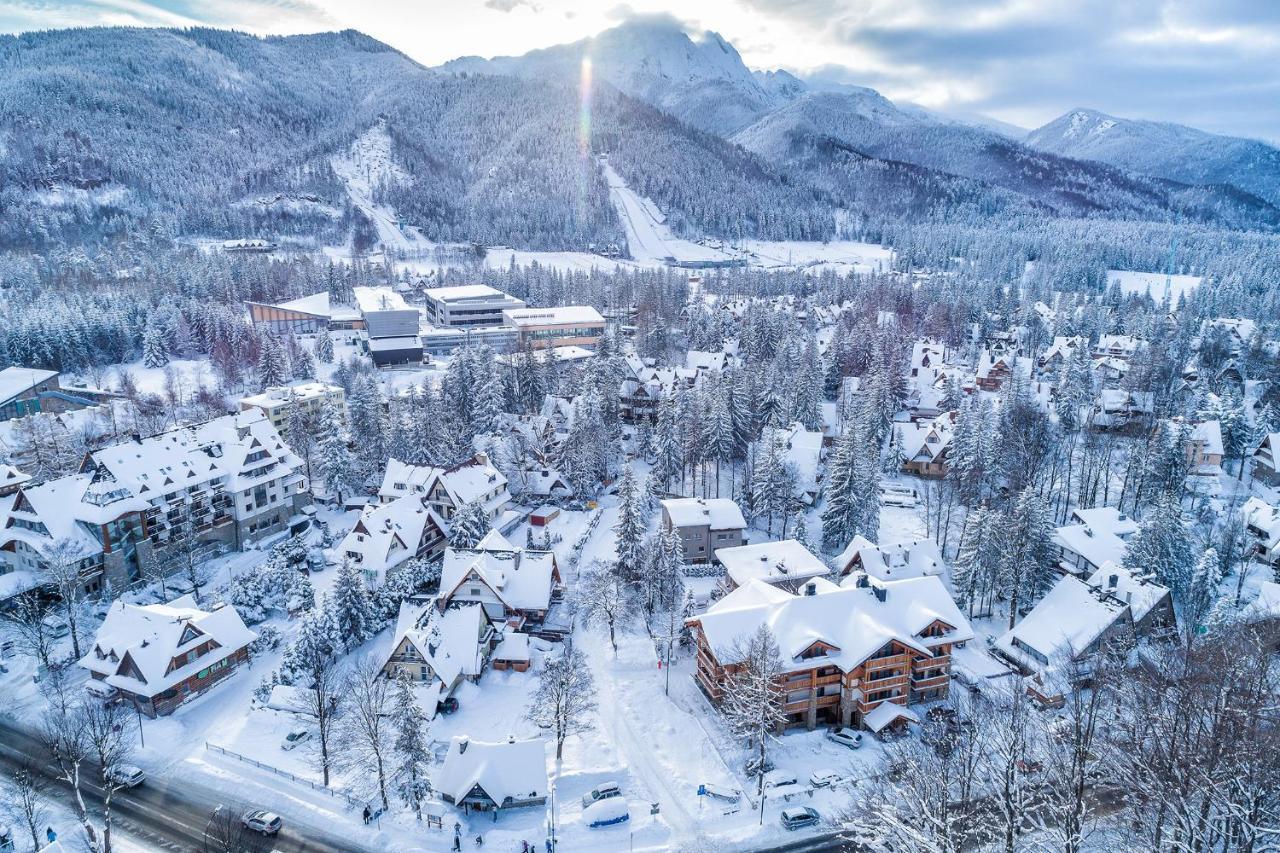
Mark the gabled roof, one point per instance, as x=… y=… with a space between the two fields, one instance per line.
x=1141 y=594
x=892 y=561
x=18 y=380
x=515 y=769
x=150 y=636
x=387 y=535
x=856 y=620
x=521 y=579
x=450 y=645
x=1070 y=617
x=1098 y=546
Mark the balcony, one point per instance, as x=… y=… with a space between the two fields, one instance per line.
x=921 y=683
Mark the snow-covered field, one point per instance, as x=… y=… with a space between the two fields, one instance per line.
x=1157 y=284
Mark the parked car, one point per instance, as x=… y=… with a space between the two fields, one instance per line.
x=316 y=561
x=607 y=812
x=447 y=706
x=799 y=818
x=295 y=738
x=56 y=626
x=754 y=767
x=728 y=795
x=126 y=775
x=261 y=820
x=897 y=499
x=101 y=690
x=850 y=738
x=603 y=791
x=824 y=778
x=778 y=778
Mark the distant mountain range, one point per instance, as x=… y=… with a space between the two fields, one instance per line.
x=1164 y=150
x=108 y=131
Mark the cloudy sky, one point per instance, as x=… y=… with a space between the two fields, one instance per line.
x=1213 y=64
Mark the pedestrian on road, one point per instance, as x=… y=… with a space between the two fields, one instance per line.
x=479 y=840
x=457 y=842
x=51 y=835
x=524 y=847
x=548 y=845
x=366 y=815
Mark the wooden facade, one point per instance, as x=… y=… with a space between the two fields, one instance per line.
x=822 y=694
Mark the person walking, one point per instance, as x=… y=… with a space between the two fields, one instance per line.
x=366 y=815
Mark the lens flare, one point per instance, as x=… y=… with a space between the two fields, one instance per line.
x=584 y=108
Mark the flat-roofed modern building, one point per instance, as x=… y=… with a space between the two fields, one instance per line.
x=468 y=305
x=566 y=325
x=391 y=325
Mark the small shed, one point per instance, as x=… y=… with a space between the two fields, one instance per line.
x=512 y=652
x=543 y=515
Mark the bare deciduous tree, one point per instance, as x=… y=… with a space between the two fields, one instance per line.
x=565 y=698
x=26 y=806
x=605 y=601
x=753 y=696
x=365 y=728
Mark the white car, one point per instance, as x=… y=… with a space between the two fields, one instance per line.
x=846 y=737
x=295 y=738
x=126 y=775
x=603 y=791
x=825 y=778
x=260 y=820
x=56 y=626
x=779 y=778
x=101 y=690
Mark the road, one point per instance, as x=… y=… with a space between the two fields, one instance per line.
x=167 y=815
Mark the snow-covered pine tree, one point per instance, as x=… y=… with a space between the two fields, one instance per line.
x=412 y=746
x=1162 y=547
x=350 y=606
x=631 y=525
x=469 y=525
x=753 y=697
x=1028 y=554
x=155 y=346
x=271 y=370
x=977 y=565
x=324 y=348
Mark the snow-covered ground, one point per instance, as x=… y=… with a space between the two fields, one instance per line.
x=1157 y=284
x=648 y=237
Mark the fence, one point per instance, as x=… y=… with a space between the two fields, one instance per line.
x=333 y=792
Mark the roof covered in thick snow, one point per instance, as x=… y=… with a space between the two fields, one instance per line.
x=718 y=513
x=521 y=579
x=855 y=621
x=1068 y=620
x=514 y=769
x=153 y=635
x=773 y=562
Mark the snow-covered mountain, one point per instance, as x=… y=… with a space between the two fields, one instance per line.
x=1164 y=150
x=700 y=80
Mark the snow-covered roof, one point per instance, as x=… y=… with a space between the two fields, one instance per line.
x=1063 y=346
x=510 y=769
x=17 y=380
x=718 y=513
x=387 y=535
x=379 y=299
x=464 y=291
x=912 y=558
x=885 y=713
x=773 y=562
x=11 y=477
x=1141 y=594
x=560 y=315
x=514 y=647
x=1108 y=519
x=1209 y=435
x=802 y=448
x=316 y=303
x=1069 y=619
x=521 y=579
x=276 y=395
x=450 y=642
x=854 y=620
x=465 y=483
x=152 y=636
x=1266 y=605
x=1097 y=546
x=701 y=360
x=927 y=440
x=395 y=343
x=1261 y=515
x=60 y=512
